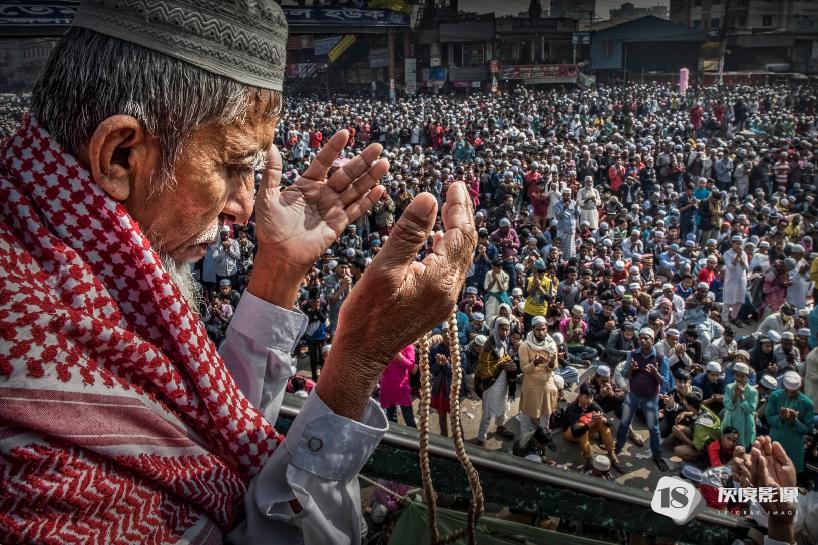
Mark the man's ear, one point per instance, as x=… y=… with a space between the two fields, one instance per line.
x=121 y=155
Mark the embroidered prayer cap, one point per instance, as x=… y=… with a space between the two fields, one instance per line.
x=792 y=380
x=243 y=40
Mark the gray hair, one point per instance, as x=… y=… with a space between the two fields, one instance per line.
x=90 y=77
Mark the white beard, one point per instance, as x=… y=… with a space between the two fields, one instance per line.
x=182 y=277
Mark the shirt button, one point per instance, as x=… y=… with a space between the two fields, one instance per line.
x=315 y=444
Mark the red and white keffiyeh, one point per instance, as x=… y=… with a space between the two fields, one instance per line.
x=119 y=422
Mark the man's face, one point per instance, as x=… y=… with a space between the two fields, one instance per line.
x=540 y=331
x=729 y=440
x=214 y=182
x=712 y=376
x=786 y=344
x=225 y=290
x=502 y=331
x=792 y=394
x=584 y=401
x=683 y=386
x=645 y=342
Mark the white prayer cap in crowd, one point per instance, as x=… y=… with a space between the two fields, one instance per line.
x=667 y=286
x=350 y=252
x=764 y=244
x=741 y=367
x=559 y=382
x=519 y=267
x=601 y=462
x=769 y=382
x=478 y=316
x=325 y=349
x=619 y=265
x=566 y=190
x=521 y=306
x=603 y=371
x=516 y=292
x=225 y=228
x=713 y=367
x=558 y=338
x=332 y=264
x=532 y=457
x=792 y=380
x=774 y=336
x=672 y=332
x=301 y=393
x=505 y=222
x=736 y=238
x=787 y=335
x=703 y=286
x=224 y=282
x=646 y=331
x=803 y=332
x=537 y=320
x=502 y=320
x=471 y=289
x=797 y=249
x=480 y=340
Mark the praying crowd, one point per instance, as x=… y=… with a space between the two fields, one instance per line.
x=643 y=253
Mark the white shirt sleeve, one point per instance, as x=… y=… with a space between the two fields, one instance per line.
x=319 y=460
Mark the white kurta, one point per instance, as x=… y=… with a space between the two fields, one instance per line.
x=588 y=210
x=495 y=399
x=735 y=278
x=318 y=462
x=492 y=303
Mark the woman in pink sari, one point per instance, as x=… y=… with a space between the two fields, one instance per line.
x=395 y=390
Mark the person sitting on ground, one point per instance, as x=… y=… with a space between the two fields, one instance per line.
x=672 y=403
x=610 y=398
x=585 y=418
x=711 y=383
x=600 y=467
x=696 y=427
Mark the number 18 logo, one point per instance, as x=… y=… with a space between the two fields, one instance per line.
x=677 y=499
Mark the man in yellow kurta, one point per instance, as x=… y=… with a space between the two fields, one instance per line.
x=538 y=359
x=540 y=287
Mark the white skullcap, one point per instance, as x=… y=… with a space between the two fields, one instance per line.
x=713 y=367
x=646 y=331
x=559 y=382
x=787 y=335
x=558 y=338
x=769 y=382
x=603 y=371
x=774 y=336
x=792 y=380
x=505 y=222
x=536 y=320
x=601 y=462
x=741 y=367
x=502 y=320
x=803 y=332
x=325 y=349
x=480 y=340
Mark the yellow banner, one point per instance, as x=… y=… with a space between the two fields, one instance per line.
x=340 y=47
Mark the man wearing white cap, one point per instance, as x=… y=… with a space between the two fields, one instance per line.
x=566 y=214
x=711 y=383
x=600 y=467
x=538 y=360
x=491 y=378
x=647 y=375
x=790 y=416
x=226 y=255
x=740 y=404
x=735 y=281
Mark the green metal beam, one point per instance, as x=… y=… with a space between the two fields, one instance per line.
x=516 y=483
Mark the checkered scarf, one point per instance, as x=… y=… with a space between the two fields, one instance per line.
x=119 y=422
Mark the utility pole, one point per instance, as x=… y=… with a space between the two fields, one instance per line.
x=723 y=34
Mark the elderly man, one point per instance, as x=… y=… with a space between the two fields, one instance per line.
x=538 y=360
x=146 y=127
x=566 y=214
x=735 y=281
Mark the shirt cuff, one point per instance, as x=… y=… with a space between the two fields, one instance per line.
x=330 y=446
x=267 y=324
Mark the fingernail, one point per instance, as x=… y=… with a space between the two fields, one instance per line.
x=423 y=207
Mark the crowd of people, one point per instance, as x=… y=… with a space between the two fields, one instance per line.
x=661 y=244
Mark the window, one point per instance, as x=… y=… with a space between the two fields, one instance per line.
x=766 y=20
x=715 y=22
x=696 y=23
